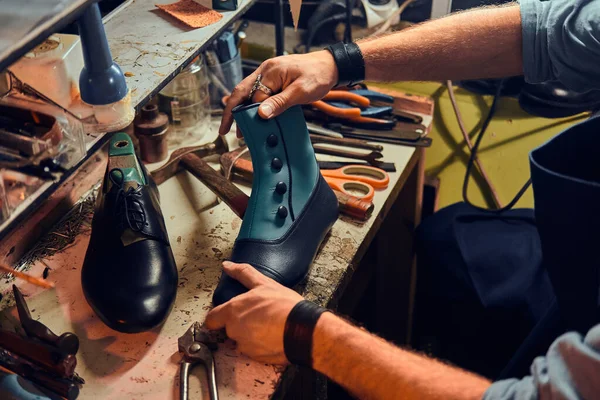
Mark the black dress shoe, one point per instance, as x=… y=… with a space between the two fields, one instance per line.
x=129 y=276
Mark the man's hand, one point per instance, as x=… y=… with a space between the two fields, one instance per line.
x=295 y=79
x=256 y=319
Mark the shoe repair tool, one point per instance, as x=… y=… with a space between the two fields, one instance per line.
x=381 y=100
x=372 y=157
x=65 y=387
x=358 y=144
x=233 y=163
x=384 y=166
x=319 y=130
x=196 y=349
x=67 y=342
x=357 y=178
x=404 y=134
x=227 y=191
x=173 y=165
x=360 y=115
x=151 y=128
x=190 y=159
x=26 y=277
x=401 y=131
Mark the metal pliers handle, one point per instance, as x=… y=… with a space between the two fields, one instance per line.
x=196 y=351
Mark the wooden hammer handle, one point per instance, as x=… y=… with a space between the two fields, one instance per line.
x=350 y=205
x=227 y=191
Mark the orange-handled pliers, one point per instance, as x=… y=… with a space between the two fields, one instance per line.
x=350 y=113
x=361 y=178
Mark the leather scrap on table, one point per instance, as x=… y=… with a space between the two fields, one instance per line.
x=191 y=13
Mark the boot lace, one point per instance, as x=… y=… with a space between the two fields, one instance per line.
x=128 y=206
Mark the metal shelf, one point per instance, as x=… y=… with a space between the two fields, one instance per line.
x=26 y=23
x=149 y=45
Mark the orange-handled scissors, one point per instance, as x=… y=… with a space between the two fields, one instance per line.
x=352 y=178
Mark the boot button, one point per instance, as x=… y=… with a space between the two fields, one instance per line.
x=276 y=163
x=272 y=140
x=282 y=212
x=281 y=187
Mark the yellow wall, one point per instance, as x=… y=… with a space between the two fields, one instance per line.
x=503 y=152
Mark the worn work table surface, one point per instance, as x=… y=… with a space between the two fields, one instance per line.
x=202 y=232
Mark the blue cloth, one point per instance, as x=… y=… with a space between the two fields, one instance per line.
x=569 y=371
x=561 y=42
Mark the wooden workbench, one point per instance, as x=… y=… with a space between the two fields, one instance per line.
x=202 y=232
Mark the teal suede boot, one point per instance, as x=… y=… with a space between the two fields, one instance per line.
x=291 y=208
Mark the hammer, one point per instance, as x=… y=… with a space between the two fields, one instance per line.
x=190 y=158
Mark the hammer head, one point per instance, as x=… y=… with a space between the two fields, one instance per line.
x=173 y=164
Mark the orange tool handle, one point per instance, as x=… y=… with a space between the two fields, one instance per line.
x=373 y=176
x=342 y=95
x=346 y=113
x=350 y=187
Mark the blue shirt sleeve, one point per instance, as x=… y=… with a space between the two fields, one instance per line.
x=569 y=371
x=561 y=42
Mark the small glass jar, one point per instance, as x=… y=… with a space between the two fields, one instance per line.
x=187 y=103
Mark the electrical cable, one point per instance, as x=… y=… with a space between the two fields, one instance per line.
x=463 y=130
x=473 y=156
x=348 y=31
x=388 y=22
x=312 y=32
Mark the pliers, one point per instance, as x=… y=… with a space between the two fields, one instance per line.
x=197 y=349
x=354 y=109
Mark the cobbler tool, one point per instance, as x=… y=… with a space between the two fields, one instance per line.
x=357 y=178
x=353 y=109
x=190 y=159
x=67 y=342
x=232 y=163
x=173 y=165
x=319 y=130
x=41 y=356
x=356 y=143
x=385 y=166
x=372 y=158
x=196 y=349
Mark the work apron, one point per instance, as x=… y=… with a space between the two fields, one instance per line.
x=495 y=290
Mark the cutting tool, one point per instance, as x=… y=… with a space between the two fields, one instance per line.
x=361 y=178
x=354 y=109
x=196 y=349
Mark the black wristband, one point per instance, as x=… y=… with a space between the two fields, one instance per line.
x=350 y=63
x=298 y=332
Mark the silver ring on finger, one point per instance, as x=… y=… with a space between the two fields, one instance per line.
x=258 y=85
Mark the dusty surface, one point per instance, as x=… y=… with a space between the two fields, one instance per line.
x=151 y=46
x=202 y=232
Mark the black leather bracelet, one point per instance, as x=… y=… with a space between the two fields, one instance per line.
x=350 y=63
x=298 y=332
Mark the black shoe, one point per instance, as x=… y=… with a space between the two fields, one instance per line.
x=129 y=276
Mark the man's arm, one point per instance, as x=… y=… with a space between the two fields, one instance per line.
x=371 y=368
x=482 y=43
x=364 y=364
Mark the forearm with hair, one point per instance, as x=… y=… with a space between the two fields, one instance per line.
x=482 y=43
x=371 y=368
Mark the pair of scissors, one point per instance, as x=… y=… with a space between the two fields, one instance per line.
x=361 y=178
